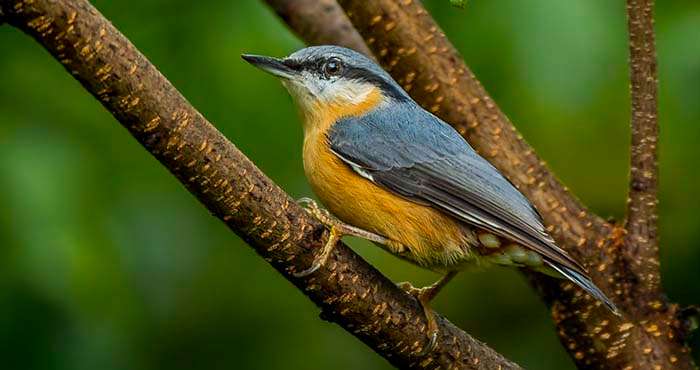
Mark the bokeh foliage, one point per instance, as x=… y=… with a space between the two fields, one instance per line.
x=107 y=262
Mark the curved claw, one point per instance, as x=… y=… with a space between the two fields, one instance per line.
x=305 y=201
x=409 y=288
x=432 y=343
x=321 y=259
x=315 y=266
x=424 y=296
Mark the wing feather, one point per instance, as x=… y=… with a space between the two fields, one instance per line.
x=429 y=163
x=426 y=161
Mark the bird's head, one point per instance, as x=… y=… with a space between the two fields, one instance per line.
x=324 y=79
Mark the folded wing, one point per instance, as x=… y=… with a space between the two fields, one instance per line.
x=426 y=161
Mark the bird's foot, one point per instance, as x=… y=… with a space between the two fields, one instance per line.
x=322 y=258
x=320 y=214
x=423 y=296
x=337 y=229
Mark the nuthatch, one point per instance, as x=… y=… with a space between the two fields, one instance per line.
x=397 y=175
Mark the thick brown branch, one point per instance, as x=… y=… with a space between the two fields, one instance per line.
x=411 y=46
x=641 y=239
x=319 y=22
x=348 y=290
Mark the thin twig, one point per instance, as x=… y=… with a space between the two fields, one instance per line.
x=348 y=290
x=641 y=225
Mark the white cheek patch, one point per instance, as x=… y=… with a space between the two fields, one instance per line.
x=309 y=90
x=346 y=92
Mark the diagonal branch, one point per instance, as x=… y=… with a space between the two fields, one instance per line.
x=411 y=46
x=641 y=238
x=416 y=52
x=330 y=25
x=348 y=290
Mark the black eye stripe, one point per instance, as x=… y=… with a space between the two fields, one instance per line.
x=313 y=65
x=365 y=75
x=293 y=64
x=350 y=72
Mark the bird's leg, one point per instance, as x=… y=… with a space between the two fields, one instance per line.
x=337 y=229
x=424 y=296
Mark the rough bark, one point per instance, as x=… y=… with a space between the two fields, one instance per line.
x=330 y=25
x=641 y=238
x=348 y=290
x=651 y=334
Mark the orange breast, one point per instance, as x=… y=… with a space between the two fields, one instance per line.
x=433 y=239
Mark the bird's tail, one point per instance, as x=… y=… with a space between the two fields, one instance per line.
x=585 y=282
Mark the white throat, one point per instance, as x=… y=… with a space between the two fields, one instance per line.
x=313 y=95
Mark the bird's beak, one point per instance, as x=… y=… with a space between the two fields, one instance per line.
x=271 y=65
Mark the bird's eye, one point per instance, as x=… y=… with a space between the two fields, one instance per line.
x=332 y=67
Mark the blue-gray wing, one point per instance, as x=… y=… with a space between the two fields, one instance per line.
x=427 y=161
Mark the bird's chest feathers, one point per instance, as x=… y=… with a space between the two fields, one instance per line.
x=328 y=175
x=356 y=200
x=320 y=164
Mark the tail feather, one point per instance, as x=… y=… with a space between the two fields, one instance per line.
x=585 y=282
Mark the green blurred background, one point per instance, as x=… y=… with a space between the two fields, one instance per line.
x=107 y=262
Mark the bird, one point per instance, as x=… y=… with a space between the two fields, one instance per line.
x=393 y=173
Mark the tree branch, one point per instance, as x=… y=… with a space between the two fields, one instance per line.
x=641 y=239
x=348 y=290
x=319 y=22
x=411 y=46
